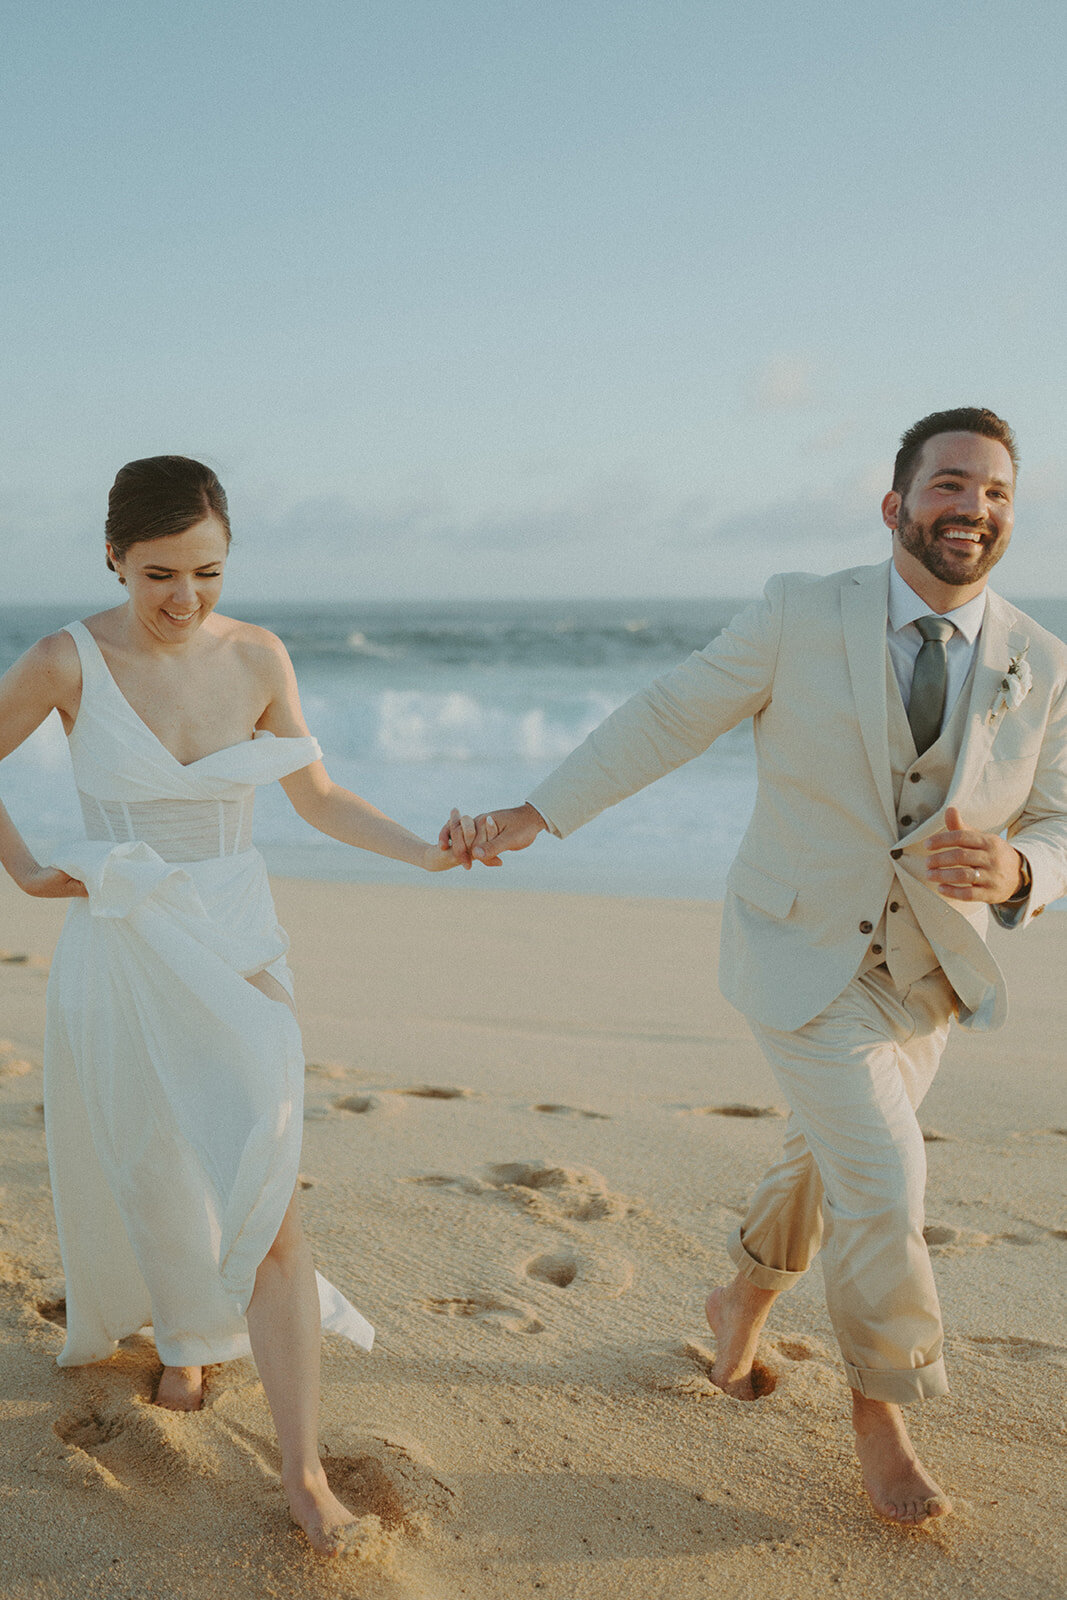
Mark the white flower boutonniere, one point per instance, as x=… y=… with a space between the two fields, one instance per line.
x=1014 y=686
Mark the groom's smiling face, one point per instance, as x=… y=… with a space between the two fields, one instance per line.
x=955 y=518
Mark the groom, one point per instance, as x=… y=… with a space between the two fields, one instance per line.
x=905 y=719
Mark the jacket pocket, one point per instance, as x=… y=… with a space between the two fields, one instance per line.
x=760 y=889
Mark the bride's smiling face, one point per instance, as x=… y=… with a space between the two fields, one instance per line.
x=174 y=582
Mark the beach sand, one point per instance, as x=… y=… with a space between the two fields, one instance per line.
x=530 y=1123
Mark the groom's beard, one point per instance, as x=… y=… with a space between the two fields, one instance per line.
x=924 y=541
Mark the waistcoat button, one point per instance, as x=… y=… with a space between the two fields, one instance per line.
x=876 y=949
x=916 y=777
x=866 y=927
x=905 y=822
x=894 y=905
x=896 y=854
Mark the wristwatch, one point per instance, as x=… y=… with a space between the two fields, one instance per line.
x=1026 y=880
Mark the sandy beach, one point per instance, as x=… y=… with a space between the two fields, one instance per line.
x=530 y=1123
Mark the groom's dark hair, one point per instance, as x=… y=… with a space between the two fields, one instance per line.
x=963 y=419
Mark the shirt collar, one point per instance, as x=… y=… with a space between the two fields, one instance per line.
x=905 y=606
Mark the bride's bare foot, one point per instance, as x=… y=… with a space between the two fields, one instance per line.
x=736 y=1315
x=329 y=1526
x=181 y=1389
x=896 y=1480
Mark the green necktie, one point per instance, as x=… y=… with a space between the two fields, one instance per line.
x=929 y=682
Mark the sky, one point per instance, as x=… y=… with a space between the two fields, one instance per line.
x=561 y=298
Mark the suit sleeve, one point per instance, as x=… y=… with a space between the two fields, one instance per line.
x=676 y=718
x=1040 y=833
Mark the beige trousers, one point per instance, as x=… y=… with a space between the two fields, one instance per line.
x=850 y=1182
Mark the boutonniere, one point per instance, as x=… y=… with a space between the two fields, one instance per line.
x=1013 y=687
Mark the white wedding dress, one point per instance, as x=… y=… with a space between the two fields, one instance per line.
x=173 y=1087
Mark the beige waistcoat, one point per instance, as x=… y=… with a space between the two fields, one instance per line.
x=920 y=785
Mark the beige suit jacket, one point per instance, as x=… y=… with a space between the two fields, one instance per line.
x=823 y=848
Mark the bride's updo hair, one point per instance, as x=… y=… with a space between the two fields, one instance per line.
x=161 y=495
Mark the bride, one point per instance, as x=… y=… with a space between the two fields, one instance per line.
x=173 y=1066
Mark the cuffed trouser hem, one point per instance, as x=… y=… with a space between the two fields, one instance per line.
x=899 y=1388
x=776 y=1278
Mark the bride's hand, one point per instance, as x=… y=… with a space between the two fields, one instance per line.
x=453 y=848
x=449 y=850
x=49 y=883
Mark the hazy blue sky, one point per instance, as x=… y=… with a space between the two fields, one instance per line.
x=534 y=298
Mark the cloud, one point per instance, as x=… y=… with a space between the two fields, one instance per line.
x=839 y=514
x=786 y=383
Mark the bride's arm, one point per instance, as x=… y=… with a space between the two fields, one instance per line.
x=329 y=807
x=45 y=679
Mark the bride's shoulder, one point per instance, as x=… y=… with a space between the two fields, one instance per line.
x=259 y=651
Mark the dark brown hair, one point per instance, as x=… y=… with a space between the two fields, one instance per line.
x=161 y=495
x=963 y=419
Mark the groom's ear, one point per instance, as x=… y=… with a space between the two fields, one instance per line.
x=891 y=508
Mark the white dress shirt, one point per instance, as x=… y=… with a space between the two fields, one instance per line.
x=904 y=639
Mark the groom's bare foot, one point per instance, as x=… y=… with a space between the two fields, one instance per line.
x=181 y=1389
x=896 y=1480
x=736 y=1315
x=329 y=1526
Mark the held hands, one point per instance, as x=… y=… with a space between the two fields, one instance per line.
x=456 y=840
x=485 y=837
x=963 y=864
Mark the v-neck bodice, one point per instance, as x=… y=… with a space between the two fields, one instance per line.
x=133 y=788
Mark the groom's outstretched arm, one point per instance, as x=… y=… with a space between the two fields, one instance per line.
x=656 y=730
x=511 y=829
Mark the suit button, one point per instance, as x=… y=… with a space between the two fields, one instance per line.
x=894 y=905
x=896 y=854
x=905 y=822
x=866 y=927
x=916 y=777
x=876 y=949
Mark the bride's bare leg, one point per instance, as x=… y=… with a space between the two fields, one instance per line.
x=283 y=1325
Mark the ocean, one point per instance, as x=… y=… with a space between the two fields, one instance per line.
x=421 y=706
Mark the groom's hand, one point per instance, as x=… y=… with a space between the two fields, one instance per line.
x=490 y=833
x=513 y=829
x=963 y=864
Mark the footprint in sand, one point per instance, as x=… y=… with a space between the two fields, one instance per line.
x=326 y=1069
x=737 y=1111
x=802 y=1350
x=578 y=1193
x=129 y=1445
x=1018 y=1349
x=431 y=1091
x=392 y=1483
x=489 y=1311
x=360 y=1104
x=53 y=1309
x=567 y=1268
x=23 y=958
x=573 y=1111
x=688 y=1372
x=445 y=1180
x=548 y=1193
x=943 y=1236
x=12 y=1065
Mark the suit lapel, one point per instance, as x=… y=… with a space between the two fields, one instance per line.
x=864 y=606
x=998 y=642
